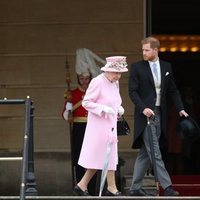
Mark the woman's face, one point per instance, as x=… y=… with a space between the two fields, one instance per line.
x=114 y=76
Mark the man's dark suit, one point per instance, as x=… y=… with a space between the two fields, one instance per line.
x=143 y=94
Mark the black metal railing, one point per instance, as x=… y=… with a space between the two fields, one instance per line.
x=28 y=183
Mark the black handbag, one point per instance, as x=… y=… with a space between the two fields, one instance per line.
x=122 y=126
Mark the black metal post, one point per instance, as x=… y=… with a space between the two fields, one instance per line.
x=30 y=179
x=25 y=149
x=27 y=173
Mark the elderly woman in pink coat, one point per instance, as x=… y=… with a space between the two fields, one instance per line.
x=103 y=103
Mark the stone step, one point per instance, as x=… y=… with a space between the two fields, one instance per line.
x=148 y=181
x=187 y=185
x=96 y=197
x=149 y=184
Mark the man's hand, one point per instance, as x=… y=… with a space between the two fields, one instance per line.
x=183 y=113
x=148 y=112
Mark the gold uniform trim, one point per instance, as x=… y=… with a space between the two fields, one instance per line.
x=80 y=119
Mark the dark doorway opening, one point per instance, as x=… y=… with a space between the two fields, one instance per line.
x=174 y=17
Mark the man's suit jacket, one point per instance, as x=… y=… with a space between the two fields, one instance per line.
x=143 y=94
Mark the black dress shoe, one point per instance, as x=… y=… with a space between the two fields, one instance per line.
x=78 y=192
x=139 y=192
x=108 y=193
x=169 y=191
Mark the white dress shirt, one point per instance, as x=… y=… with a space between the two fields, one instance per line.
x=157 y=81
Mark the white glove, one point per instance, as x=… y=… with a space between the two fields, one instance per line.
x=68 y=106
x=65 y=115
x=120 y=111
x=108 y=110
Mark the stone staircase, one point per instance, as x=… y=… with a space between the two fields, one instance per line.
x=149 y=184
x=187 y=185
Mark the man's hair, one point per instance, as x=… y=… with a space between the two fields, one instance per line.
x=154 y=42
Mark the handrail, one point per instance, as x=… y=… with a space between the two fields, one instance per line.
x=27 y=146
x=12 y=101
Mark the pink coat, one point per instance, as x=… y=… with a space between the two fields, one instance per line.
x=101 y=127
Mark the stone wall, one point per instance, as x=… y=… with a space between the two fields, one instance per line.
x=36 y=37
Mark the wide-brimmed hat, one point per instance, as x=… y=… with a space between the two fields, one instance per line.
x=115 y=64
x=187 y=128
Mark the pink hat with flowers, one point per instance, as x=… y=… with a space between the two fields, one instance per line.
x=115 y=64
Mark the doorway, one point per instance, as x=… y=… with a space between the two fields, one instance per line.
x=176 y=21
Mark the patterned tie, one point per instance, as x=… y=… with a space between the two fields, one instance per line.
x=155 y=71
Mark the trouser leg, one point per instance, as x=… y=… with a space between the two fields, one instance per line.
x=163 y=176
x=144 y=157
x=141 y=165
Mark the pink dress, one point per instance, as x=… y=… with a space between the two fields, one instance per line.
x=101 y=127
